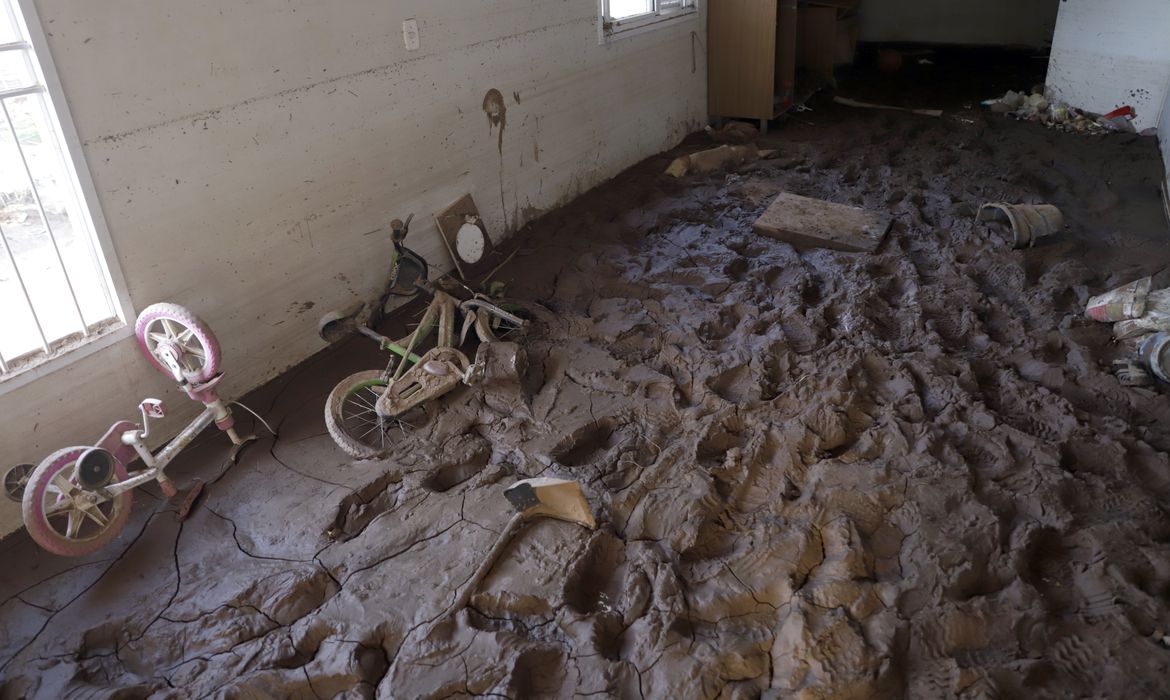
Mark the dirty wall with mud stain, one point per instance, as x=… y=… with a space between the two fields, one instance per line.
x=265 y=147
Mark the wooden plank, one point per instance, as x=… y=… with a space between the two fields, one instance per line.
x=741 y=49
x=806 y=222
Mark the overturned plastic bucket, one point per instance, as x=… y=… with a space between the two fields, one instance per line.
x=1029 y=222
x=1126 y=302
x=1155 y=354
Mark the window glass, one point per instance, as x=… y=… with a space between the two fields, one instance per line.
x=15 y=71
x=619 y=9
x=8 y=30
x=49 y=169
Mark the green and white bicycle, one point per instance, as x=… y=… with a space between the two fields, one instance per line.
x=363 y=408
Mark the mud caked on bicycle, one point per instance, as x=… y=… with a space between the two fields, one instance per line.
x=363 y=408
x=78 y=499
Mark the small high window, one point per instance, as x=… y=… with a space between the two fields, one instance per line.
x=619 y=16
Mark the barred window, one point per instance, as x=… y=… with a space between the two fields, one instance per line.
x=56 y=291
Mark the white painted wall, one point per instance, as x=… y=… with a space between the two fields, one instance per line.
x=242 y=150
x=986 y=22
x=1109 y=54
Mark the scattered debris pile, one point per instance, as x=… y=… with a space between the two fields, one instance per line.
x=713 y=159
x=733 y=132
x=1042 y=107
x=1140 y=316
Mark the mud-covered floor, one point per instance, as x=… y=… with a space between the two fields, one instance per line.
x=816 y=474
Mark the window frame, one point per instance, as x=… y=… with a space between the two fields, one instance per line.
x=86 y=192
x=610 y=29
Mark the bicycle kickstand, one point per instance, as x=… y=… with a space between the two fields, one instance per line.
x=238 y=444
x=184 y=500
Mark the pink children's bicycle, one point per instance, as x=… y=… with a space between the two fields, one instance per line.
x=78 y=499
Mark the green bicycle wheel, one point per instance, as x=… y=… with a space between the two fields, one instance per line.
x=351 y=417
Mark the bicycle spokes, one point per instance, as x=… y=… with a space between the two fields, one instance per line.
x=15 y=480
x=361 y=419
x=75 y=512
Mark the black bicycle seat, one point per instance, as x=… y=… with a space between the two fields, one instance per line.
x=408 y=272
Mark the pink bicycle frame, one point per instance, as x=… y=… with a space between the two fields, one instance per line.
x=127 y=440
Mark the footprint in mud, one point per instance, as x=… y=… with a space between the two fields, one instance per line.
x=1049 y=421
x=448 y=477
x=951 y=324
x=736 y=270
x=745 y=247
x=777 y=372
x=1002 y=327
x=724 y=436
x=1100 y=395
x=589 y=442
x=718 y=329
x=811 y=294
x=684 y=277
x=1078 y=655
x=829 y=433
x=954 y=631
x=735 y=385
x=357 y=510
x=462 y=458
x=985 y=457
x=1044 y=565
x=594 y=582
x=886 y=322
x=1045 y=424
x=927 y=263
x=537 y=672
x=637 y=346
x=801 y=336
x=1001 y=279
x=896 y=286
x=785 y=277
x=1103 y=458
x=1098 y=603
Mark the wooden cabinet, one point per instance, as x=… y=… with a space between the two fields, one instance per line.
x=752 y=54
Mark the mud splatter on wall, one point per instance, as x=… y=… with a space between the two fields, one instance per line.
x=497 y=113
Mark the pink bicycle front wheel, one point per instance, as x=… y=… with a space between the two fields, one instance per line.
x=164 y=329
x=59 y=514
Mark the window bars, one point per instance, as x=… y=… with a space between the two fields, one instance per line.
x=54 y=289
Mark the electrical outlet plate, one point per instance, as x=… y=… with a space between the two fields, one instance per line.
x=410 y=34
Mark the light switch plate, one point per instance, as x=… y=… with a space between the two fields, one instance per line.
x=410 y=34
